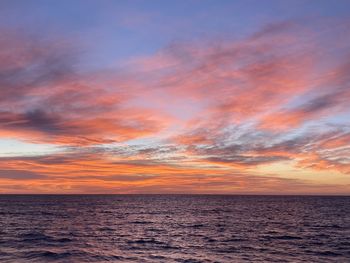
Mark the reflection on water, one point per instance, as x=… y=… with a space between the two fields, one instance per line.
x=174 y=228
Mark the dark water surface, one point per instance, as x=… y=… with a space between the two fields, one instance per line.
x=174 y=228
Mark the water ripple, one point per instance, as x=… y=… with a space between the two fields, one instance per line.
x=174 y=228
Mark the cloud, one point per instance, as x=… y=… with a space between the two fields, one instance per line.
x=21 y=175
x=236 y=80
x=334 y=100
x=274 y=97
x=45 y=97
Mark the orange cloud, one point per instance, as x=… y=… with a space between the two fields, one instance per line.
x=251 y=103
x=87 y=173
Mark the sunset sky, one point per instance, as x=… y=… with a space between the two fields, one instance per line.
x=231 y=97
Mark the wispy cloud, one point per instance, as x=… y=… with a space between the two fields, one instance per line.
x=45 y=98
x=277 y=96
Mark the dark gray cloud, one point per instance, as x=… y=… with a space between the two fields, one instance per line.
x=246 y=160
x=114 y=178
x=21 y=175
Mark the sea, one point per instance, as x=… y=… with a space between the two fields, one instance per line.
x=174 y=228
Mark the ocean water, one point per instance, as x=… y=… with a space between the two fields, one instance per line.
x=174 y=228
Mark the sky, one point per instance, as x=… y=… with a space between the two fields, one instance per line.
x=212 y=97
